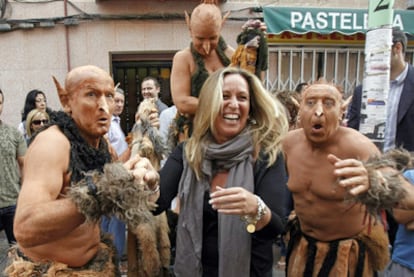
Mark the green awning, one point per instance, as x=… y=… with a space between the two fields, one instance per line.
x=325 y=21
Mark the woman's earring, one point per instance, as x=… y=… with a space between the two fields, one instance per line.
x=251 y=121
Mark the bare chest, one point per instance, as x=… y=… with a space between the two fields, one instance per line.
x=312 y=178
x=212 y=63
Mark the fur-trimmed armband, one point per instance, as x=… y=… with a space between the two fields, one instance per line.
x=113 y=192
x=386 y=188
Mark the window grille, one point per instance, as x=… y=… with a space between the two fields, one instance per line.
x=290 y=66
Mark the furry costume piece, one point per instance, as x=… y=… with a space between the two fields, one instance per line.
x=115 y=192
x=148 y=242
x=102 y=264
x=385 y=188
x=251 y=53
x=357 y=256
x=146 y=140
x=83 y=157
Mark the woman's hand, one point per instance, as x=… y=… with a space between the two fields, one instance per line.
x=238 y=201
x=235 y=201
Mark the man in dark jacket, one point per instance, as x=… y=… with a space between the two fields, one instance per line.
x=400 y=100
x=400 y=105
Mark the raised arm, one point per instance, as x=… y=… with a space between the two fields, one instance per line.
x=181 y=83
x=42 y=214
x=378 y=183
x=407 y=203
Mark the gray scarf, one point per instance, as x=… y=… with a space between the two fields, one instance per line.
x=234 y=241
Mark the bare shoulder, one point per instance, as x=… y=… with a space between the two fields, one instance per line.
x=45 y=167
x=182 y=55
x=182 y=66
x=292 y=138
x=49 y=150
x=358 y=144
x=49 y=139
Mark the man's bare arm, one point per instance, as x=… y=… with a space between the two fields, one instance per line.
x=42 y=215
x=404 y=217
x=181 y=84
x=407 y=203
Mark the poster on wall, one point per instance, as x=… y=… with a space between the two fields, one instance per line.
x=375 y=85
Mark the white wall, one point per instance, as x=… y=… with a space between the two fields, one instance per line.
x=29 y=58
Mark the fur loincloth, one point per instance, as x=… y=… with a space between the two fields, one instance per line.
x=103 y=264
x=359 y=256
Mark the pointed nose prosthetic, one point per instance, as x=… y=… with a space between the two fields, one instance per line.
x=207 y=47
x=103 y=104
x=319 y=110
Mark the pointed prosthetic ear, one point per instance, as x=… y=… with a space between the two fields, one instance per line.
x=344 y=108
x=295 y=102
x=63 y=95
x=346 y=103
x=187 y=19
x=225 y=18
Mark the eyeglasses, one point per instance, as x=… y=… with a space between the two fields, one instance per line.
x=38 y=122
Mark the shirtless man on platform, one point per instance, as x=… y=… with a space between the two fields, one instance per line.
x=333 y=237
x=191 y=66
x=52 y=234
x=207 y=53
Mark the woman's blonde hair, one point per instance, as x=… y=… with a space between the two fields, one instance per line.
x=31 y=116
x=267 y=119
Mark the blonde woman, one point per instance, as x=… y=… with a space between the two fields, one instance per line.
x=35 y=99
x=230 y=178
x=35 y=120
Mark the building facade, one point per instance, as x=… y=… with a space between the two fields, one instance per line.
x=134 y=38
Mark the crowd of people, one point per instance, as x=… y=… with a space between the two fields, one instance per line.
x=245 y=167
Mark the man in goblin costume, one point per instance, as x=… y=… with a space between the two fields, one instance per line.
x=68 y=184
x=207 y=53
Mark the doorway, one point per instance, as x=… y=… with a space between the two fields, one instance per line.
x=130 y=69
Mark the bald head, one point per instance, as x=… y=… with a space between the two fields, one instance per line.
x=323 y=84
x=205 y=26
x=82 y=75
x=206 y=14
x=84 y=79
